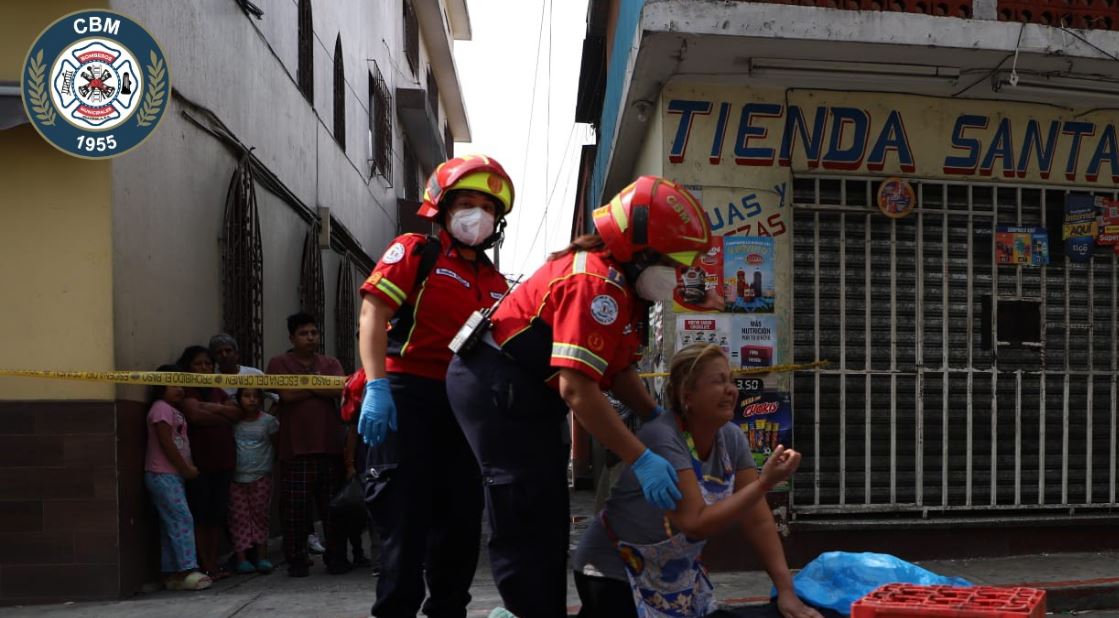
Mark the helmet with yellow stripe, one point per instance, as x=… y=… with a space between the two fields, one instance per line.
x=474 y=172
x=655 y=214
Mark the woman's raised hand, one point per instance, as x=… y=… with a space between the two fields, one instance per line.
x=782 y=463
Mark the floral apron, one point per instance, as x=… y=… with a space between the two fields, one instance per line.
x=668 y=579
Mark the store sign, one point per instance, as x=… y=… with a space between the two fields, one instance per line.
x=891 y=134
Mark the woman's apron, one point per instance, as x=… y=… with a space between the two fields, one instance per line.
x=668 y=579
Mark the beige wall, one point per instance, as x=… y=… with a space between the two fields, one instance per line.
x=22 y=25
x=55 y=267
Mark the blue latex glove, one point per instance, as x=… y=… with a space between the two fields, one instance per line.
x=658 y=480
x=378 y=412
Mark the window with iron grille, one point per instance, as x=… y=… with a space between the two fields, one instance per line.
x=411 y=37
x=242 y=297
x=305 y=72
x=344 y=325
x=432 y=93
x=411 y=186
x=339 y=95
x=448 y=140
x=915 y=412
x=380 y=126
x=312 y=294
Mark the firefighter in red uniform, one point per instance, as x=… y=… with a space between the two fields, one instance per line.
x=423 y=487
x=569 y=331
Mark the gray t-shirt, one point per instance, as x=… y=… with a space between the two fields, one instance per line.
x=254 y=447
x=631 y=517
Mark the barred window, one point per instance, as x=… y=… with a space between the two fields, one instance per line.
x=411 y=37
x=242 y=267
x=344 y=324
x=311 y=286
x=380 y=126
x=306 y=68
x=432 y=93
x=339 y=95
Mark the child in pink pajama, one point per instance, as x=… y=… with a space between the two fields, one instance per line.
x=250 y=494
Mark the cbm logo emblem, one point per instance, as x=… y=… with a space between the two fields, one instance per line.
x=95 y=84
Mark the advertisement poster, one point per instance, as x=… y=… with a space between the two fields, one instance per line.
x=748 y=275
x=1028 y=246
x=1079 y=232
x=766 y=419
x=1107 y=222
x=755 y=342
x=896 y=198
x=700 y=287
x=693 y=328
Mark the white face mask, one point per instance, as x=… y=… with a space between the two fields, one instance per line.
x=656 y=283
x=471 y=226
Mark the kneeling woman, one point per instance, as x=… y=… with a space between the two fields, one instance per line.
x=638 y=560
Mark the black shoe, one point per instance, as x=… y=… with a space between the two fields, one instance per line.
x=339 y=567
x=296 y=570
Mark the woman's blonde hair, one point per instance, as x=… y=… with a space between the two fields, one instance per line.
x=681 y=374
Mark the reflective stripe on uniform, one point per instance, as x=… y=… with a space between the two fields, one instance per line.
x=579 y=264
x=581 y=354
x=390 y=289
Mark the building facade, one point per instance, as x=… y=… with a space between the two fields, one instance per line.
x=294 y=147
x=899 y=176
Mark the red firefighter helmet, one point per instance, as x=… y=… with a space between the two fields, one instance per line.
x=476 y=172
x=654 y=213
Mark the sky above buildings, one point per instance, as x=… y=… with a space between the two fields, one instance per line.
x=520 y=76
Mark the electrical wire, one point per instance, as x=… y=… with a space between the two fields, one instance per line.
x=548 y=202
x=1089 y=43
x=532 y=99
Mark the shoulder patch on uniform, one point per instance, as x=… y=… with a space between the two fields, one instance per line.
x=615 y=276
x=604 y=309
x=394 y=254
x=596 y=342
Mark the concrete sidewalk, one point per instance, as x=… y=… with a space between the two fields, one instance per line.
x=1077 y=583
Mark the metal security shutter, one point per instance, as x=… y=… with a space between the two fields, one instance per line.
x=914 y=413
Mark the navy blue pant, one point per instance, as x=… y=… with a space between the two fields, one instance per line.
x=514 y=423
x=423 y=491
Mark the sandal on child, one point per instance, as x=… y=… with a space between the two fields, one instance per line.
x=195 y=580
x=264 y=566
x=245 y=567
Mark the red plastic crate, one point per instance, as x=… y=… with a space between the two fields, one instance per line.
x=912 y=601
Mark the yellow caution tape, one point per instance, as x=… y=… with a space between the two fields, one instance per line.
x=277 y=382
x=194 y=380
x=754 y=371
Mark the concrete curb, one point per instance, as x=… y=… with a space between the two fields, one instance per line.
x=1085 y=594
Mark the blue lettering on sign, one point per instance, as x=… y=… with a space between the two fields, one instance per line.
x=843 y=138
x=1045 y=149
x=840 y=157
x=743 y=153
x=965 y=164
x=1106 y=150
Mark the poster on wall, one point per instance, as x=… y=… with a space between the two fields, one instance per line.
x=755 y=341
x=1107 y=222
x=699 y=287
x=766 y=419
x=896 y=198
x=1079 y=232
x=1025 y=246
x=700 y=328
x=749 y=282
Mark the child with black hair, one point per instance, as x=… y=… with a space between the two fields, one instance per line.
x=250 y=494
x=166 y=466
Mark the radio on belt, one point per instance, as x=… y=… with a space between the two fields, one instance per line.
x=477 y=325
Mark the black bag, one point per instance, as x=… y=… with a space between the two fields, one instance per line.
x=347 y=507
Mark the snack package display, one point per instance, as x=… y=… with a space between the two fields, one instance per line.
x=699 y=286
